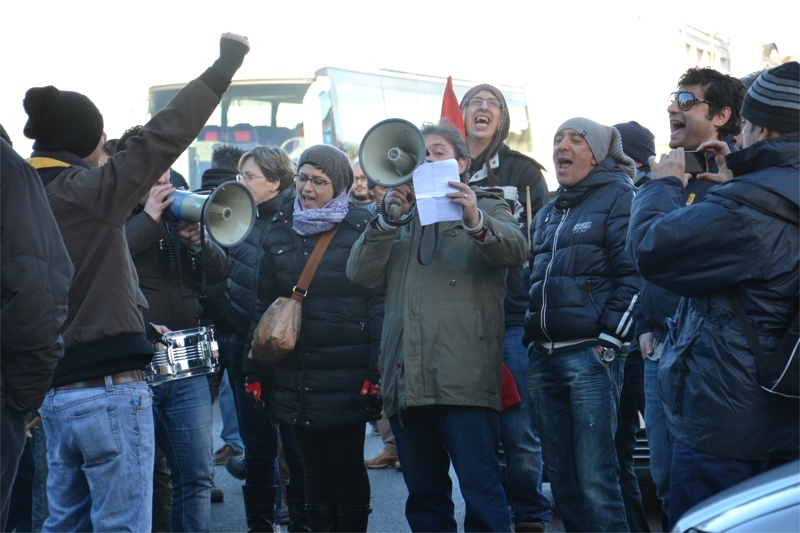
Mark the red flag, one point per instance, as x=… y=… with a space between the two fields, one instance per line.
x=451 y=109
x=509 y=395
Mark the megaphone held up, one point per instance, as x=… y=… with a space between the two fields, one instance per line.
x=391 y=151
x=228 y=212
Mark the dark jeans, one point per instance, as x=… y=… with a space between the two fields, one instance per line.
x=333 y=458
x=631 y=403
x=259 y=436
x=575 y=401
x=12 y=443
x=697 y=475
x=428 y=438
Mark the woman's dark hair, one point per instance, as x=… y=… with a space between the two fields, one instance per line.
x=723 y=91
x=452 y=135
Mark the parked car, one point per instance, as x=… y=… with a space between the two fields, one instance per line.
x=767 y=502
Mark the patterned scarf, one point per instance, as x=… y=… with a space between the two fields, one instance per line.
x=313 y=221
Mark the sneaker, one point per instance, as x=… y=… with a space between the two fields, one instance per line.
x=397 y=466
x=235 y=465
x=216 y=494
x=382 y=459
x=374 y=429
x=221 y=455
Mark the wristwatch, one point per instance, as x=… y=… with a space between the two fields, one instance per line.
x=606 y=354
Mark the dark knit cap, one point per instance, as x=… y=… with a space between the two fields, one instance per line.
x=62 y=120
x=333 y=162
x=773 y=101
x=637 y=141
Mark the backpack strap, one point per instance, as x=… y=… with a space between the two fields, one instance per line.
x=761 y=199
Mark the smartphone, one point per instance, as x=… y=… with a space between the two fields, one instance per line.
x=696 y=162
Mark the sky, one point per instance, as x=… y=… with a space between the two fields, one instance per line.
x=603 y=60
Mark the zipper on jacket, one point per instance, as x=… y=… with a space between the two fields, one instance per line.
x=542 y=321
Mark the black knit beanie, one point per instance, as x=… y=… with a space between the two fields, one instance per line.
x=637 y=141
x=773 y=101
x=62 y=120
x=333 y=162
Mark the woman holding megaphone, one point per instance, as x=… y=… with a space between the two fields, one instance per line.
x=327 y=387
x=442 y=342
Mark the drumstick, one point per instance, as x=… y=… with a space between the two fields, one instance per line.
x=528 y=209
x=32 y=423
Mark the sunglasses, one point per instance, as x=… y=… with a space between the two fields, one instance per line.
x=686 y=100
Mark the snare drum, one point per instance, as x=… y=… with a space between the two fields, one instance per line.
x=183 y=354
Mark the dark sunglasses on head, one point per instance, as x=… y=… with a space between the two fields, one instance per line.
x=686 y=100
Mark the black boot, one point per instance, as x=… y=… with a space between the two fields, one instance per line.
x=321 y=517
x=296 y=500
x=351 y=519
x=259 y=507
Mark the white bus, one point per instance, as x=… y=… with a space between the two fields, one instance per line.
x=336 y=106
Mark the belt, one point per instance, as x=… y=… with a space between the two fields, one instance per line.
x=119 y=378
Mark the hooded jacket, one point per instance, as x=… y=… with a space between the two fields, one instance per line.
x=707 y=376
x=442 y=341
x=583 y=282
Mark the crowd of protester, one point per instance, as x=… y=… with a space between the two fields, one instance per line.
x=541 y=325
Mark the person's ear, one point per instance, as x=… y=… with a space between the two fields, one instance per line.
x=721 y=118
x=462 y=165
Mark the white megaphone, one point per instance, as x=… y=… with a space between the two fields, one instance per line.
x=228 y=212
x=391 y=151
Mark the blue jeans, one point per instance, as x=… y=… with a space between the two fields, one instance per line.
x=182 y=411
x=521 y=445
x=100 y=450
x=697 y=476
x=230 y=418
x=575 y=404
x=657 y=434
x=428 y=438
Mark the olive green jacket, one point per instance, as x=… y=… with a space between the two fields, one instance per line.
x=442 y=341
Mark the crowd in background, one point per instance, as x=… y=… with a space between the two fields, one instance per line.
x=542 y=323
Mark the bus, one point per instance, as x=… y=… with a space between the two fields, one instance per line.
x=336 y=106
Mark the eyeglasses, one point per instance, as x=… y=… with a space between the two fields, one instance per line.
x=686 y=100
x=301 y=180
x=477 y=101
x=248 y=177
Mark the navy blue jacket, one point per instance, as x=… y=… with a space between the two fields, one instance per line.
x=707 y=376
x=584 y=284
x=656 y=304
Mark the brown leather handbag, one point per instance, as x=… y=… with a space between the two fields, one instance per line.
x=279 y=327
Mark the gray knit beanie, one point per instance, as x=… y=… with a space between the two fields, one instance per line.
x=333 y=162
x=773 y=100
x=604 y=141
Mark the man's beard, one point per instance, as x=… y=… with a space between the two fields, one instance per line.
x=363 y=198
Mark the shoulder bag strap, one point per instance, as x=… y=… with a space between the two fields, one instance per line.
x=300 y=290
x=760 y=199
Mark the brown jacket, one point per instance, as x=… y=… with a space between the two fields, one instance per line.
x=104 y=329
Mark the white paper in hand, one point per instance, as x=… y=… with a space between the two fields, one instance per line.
x=430 y=188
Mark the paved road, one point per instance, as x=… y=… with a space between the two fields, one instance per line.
x=388 y=496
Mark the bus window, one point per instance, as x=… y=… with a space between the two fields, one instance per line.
x=358 y=109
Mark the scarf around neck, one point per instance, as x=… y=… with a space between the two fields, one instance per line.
x=313 y=221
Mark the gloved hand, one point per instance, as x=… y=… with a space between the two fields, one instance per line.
x=371 y=389
x=252 y=386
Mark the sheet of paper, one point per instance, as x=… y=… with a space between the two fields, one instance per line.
x=430 y=188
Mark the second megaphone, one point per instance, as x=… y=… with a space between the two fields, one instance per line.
x=228 y=212
x=391 y=151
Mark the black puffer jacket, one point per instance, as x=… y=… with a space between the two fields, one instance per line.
x=707 y=376
x=319 y=384
x=245 y=259
x=583 y=283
